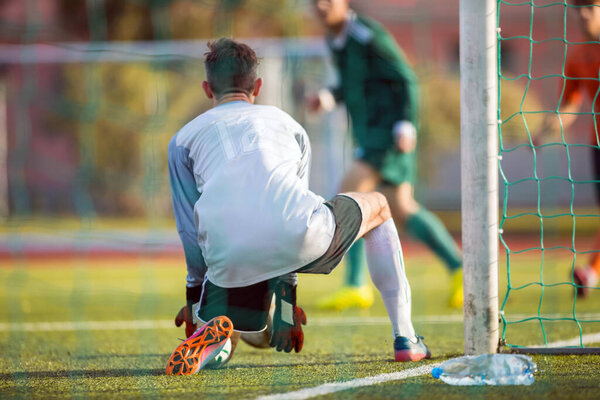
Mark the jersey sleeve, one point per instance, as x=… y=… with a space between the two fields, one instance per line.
x=390 y=65
x=184 y=196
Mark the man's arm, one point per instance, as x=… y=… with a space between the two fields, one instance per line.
x=390 y=65
x=184 y=196
x=570 y=103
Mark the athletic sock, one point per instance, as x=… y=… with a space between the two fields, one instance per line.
x=355 y=264
x=386 y=267
x=428 y=228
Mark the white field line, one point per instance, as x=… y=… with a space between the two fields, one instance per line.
x=303 y=393
x=332 y=387
x=585 y=339
x=355 y=383
x=167 y=324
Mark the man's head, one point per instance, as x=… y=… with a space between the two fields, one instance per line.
x=332 y=12
x=231 y=68
x=589 y=13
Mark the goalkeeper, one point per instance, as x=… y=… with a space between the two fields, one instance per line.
x=582 y=70
x=249 y=223
x=380 y=93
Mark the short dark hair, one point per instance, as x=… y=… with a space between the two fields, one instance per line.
x=231 y=67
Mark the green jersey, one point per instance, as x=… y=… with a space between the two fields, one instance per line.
x=376 y=83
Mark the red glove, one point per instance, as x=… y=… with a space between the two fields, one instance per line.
x=287 y=320
x=185 y=315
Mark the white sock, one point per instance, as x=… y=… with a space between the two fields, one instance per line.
x=386 y=267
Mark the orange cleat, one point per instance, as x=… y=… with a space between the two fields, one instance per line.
x=200 y=348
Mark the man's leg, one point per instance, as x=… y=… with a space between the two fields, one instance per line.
x=356 y=292
x=425 y=226
x=386 y=266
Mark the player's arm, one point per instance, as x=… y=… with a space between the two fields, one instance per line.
x=184 y=196
x=571 y=101
x=325 y=99
x=390 y=65
x=288 y=318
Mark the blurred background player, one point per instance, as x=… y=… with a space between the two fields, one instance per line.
x=381 y=95
x=249 y=223
x=582 y=69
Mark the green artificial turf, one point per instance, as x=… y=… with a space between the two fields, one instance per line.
x=130 y=363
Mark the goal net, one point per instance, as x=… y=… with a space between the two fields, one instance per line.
x=548 y=144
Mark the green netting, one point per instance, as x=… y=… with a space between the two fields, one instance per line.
x=543 y=298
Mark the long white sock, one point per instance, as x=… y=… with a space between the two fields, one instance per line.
x=386 y=267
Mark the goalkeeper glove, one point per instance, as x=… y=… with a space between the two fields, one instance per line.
x=287 y=320
x=187 y=313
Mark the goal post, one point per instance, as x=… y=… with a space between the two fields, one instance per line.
x=479 y=173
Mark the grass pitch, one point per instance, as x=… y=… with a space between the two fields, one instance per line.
x=97 y=328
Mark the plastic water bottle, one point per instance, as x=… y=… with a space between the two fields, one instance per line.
x=487 y=369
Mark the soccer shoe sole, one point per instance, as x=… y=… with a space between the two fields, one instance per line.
x=410 y=355
x=405 y=350
x=200 y=348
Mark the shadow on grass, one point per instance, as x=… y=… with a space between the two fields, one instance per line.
x=93 y=373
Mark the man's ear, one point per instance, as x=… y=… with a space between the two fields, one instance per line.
x=207 y=90
x=257 y=85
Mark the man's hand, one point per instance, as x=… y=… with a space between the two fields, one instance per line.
x=185 y=315
x=287 y=320
x=322 y=101
x=405 y=136
x=313 y=103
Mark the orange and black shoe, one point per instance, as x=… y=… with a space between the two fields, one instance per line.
x=200 y=348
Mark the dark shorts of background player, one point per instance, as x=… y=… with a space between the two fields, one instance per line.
x=248 y=306
x=596 y=161
x=395 y=167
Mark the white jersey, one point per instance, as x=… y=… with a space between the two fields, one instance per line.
x=254 y=217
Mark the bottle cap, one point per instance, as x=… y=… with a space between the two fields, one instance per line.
x=436 y=372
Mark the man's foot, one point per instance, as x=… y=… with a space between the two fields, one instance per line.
x=456 y=289
x=200 y=348
x=585 y=278
x=406 y=349
x=348 y=297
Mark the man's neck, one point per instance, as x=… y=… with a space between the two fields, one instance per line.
x=228 y=98
x=339 y=34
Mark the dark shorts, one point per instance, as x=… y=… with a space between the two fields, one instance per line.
x=248 y=306
x=395 y=167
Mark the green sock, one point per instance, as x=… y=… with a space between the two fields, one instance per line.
x=355 y=264
x=428 y=228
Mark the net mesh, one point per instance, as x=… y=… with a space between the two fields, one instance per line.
x=548 y=53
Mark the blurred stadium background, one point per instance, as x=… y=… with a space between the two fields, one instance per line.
x=92 y=91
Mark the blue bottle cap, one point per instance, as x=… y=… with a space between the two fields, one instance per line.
x=436 y=372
